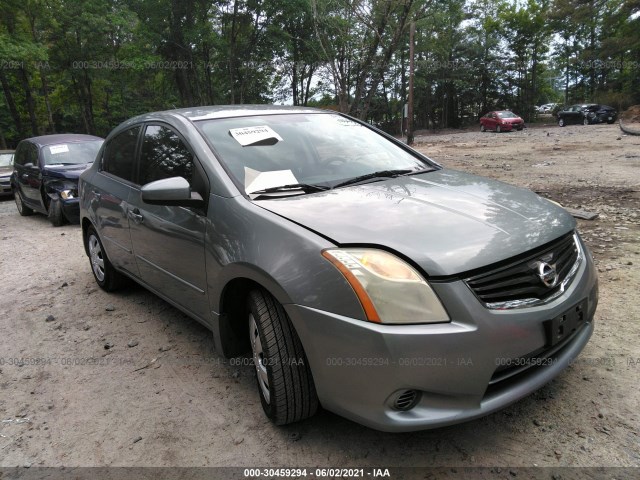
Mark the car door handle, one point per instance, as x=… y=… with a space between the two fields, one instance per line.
x=97 y=194
x=135 y=216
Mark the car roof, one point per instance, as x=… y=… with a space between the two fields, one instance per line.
x=227 y=111
x=44 y=140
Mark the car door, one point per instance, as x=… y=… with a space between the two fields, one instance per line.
x=109 y=192
x=489 y=121
x=169 y=241
x=576 y=114
x=28 y=174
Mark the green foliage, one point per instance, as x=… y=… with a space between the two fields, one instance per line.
x=86 y=65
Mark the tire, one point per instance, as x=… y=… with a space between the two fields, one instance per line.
x=23 y=210
x=56 y=215
x=106 y=276
x=482 y=129
x=610 y=122
x=585 y=121
x=498 y=129
x=520 y=128
x=284 y=379
x=561 y=122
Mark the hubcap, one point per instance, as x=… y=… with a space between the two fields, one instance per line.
x=258 y=359
x=97 y=260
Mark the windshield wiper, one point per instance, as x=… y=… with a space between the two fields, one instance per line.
x=305 y=187
x=369 y=176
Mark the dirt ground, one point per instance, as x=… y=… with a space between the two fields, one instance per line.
x=89 y=378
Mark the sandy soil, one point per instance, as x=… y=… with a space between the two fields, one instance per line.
x=125 y=379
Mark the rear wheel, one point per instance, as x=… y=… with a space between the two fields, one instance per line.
x=561 y=122
x=482 y=128
x=106 y=276
x=285 y=383
x=56 y=215
x=23 y=210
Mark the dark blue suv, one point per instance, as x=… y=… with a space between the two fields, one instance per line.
x=45 y=174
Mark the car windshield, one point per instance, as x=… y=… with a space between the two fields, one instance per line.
x=507 y=115
x=5 y=159
x=263 y=152
x=75 y=153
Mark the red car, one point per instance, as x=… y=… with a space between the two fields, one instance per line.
x=502 y=121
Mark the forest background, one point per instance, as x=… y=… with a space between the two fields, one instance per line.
x=84 y=66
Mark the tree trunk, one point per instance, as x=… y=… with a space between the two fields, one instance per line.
x=28 y=97
x=11 y=103
x=45 y=90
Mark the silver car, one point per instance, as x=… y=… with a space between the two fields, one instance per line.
x=360 y=275
x=6 y=168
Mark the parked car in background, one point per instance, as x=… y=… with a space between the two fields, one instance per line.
x=6 y=167
x=45 y=174
x=586 y=114
x=501 y=121
x=547 y=107
x=357 y=273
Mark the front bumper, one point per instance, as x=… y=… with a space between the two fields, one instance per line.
x=359 y=367
x=71 y=209
x=513 y=126
x=5 y=186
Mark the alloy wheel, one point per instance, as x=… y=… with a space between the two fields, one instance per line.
x=96 y=257
x=258 y=359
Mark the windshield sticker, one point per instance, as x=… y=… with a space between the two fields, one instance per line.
x=255 y=180
x=55 y=149
x=255 y=136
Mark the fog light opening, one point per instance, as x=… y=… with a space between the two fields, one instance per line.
x=406 y=400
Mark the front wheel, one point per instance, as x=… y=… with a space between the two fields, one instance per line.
x=498 y=129
x=482 y=128
x=585 y=121
x=23 y=210
x=56 y=215
x=106 y=276
x=285 y=383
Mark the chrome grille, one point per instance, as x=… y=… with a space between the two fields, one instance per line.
x=518 y=283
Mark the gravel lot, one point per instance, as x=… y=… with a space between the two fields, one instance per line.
x=127 y=380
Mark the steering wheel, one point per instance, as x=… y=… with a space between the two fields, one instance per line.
x=333 y=161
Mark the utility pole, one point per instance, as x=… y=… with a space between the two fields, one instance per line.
x=412 y=32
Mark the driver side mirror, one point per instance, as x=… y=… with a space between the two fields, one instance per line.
x=174 y=191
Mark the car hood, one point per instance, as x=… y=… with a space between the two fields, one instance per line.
x=447 y=222
x=70 y=172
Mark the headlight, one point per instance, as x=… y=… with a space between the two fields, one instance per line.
x=389 y=289
x=67 y=194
